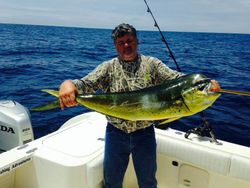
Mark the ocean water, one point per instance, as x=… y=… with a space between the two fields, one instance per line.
x=38 y=57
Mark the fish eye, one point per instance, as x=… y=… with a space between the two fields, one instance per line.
x=202 y=81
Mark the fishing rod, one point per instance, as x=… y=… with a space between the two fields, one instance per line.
x=163 y=37
x=201 y=130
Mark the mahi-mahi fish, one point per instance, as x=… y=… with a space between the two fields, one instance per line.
x=172 y=100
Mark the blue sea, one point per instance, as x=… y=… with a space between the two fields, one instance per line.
x=38 y=57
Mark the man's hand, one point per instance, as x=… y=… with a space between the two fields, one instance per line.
x=67 y=94
x=215 y=86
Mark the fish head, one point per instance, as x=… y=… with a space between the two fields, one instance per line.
x=197 y=95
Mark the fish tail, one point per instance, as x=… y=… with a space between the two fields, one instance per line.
x=49 y=106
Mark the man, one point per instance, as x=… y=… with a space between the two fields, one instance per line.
x=127 y=72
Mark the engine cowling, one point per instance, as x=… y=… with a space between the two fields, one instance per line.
x=15 y=125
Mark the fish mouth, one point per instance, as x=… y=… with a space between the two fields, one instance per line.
x=204 y=86
x=207 y=90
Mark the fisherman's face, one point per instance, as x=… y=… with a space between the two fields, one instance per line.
x=126 y=47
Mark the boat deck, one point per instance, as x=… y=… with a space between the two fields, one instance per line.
x=73 y=157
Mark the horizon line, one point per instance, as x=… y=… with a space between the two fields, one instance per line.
x=106 y=28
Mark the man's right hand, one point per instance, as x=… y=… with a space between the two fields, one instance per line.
x=67 y=94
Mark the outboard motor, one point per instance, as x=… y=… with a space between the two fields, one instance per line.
x=15 y=125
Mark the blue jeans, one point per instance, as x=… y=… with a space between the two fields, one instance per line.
x=119 y=145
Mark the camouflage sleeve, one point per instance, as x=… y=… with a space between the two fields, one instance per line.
x=95 y=80
x=163 y=72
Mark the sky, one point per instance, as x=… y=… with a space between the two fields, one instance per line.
x=222 y=16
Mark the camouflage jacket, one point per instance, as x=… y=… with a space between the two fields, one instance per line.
x=118 y=76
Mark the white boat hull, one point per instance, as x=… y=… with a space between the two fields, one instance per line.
x=72 y=157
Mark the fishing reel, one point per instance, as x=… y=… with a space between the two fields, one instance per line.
x=203 y=130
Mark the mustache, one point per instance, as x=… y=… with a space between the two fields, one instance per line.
x=128 y=49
